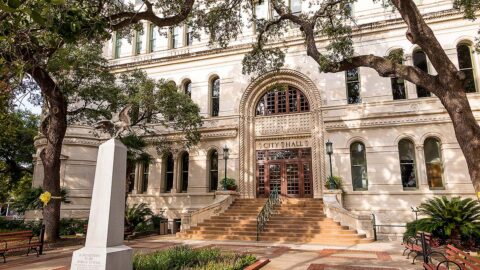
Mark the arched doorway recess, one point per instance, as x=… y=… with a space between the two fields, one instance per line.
x=299 y=131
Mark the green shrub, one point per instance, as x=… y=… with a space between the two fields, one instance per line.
x=70 y=226
x=228 y=183
x=183 y=257
x=137 y=214
x=449 y=220
x=7 y=225
x=337 y=182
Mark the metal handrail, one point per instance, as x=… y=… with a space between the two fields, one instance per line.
x=267 y=210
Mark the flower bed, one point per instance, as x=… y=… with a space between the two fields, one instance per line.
x=183 y=257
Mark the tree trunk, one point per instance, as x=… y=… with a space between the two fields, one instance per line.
x=53 y=127
x=467 y=131
x=50 y=156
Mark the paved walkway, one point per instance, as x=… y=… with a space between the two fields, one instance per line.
x=372 y=256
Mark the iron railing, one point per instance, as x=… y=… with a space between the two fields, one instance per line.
x=267 y=210
x=376 y=226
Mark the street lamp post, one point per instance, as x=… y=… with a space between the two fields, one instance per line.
x=329 y=146
x=225 y=157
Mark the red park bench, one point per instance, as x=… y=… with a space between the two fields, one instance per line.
x=21 y=240
x=453 y=258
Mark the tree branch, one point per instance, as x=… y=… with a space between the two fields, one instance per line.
x=128 y=18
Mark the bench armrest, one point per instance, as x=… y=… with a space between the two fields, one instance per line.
x=450 y=265
x=6 y=245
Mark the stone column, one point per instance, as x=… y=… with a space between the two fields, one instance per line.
x=104 y=247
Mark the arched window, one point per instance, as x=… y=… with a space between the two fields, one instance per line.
x=420 y=61
x=406 y=151
x=131 y=167
x=213 y=170
x=169 y=164
x=358 y=161
x=352 y=78
x=398 y=84
x=187 y=88
x=465 y=64
x=215 y=96
x=185 y=161
x=282 y=99
x=433 y=162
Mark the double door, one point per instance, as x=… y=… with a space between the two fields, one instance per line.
x=288 y=170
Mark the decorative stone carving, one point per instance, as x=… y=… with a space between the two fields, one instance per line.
x=283 y=124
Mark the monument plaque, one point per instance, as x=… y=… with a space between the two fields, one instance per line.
x=104 y=247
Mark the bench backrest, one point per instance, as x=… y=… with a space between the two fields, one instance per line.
x=462 y=258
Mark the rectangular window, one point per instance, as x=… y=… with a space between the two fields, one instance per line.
x=398 y=88
x=138 y=42
x=174 y=37
x=153 y=38
x=145 y=177
x=188 y=36
x=296 y=6
x=118 y=46
x=353 y=86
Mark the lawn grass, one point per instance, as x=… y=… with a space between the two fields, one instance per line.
x=184 y=257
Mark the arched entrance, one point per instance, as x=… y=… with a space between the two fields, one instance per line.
x=281 y=136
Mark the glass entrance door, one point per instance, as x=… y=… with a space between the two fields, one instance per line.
x=287 y=169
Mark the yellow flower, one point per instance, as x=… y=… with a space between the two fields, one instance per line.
x=45 y=197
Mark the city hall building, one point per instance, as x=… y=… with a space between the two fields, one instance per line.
x=393 y=142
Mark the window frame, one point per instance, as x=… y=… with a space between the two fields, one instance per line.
x=472 y=64
x=427 y=71
x=138 y=43
x=152 y=38
x=365 y=165
x=413 y=163
x=184 y=173
x=427 y=163
x=212 y=187
x=357 y=81
x=145 y=173
x=169 y=157
x=117 y=50
x=214 y=100
x=288 y=110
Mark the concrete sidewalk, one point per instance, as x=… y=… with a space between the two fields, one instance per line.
x=373 y=256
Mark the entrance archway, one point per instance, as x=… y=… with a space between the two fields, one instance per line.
x=281 y=132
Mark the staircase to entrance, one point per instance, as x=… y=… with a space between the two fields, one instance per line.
x=295 y=220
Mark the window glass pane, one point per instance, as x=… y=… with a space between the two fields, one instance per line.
x=465 y=64
x=433 y=161
x=276 y=101
x=353 y=86
x=406 y=150
x=293 y=100
x=213 y=171
x=398 y=85
x=138 y=42
x=215 y=97
x=185 y=162
x=420 y=61
x=118 y=46
x=359 y=166
x=282 y=101
x=145 y=177
x=188 y=88
x=154 y=38
x=189 y=37
x=174 y=37
x=296 y=6
x=261 y=9
x=169 y=164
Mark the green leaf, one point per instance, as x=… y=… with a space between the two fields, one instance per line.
x=14 y=3
x=6 y=8
x=58 y=2
x=37 y=17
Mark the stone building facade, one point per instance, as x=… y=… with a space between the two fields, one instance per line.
x=393 y=144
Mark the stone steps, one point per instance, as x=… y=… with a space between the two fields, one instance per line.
x=295 y=220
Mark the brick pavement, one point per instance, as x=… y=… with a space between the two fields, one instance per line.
x=373 y=256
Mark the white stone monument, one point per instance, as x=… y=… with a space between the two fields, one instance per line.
x=104 y=247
